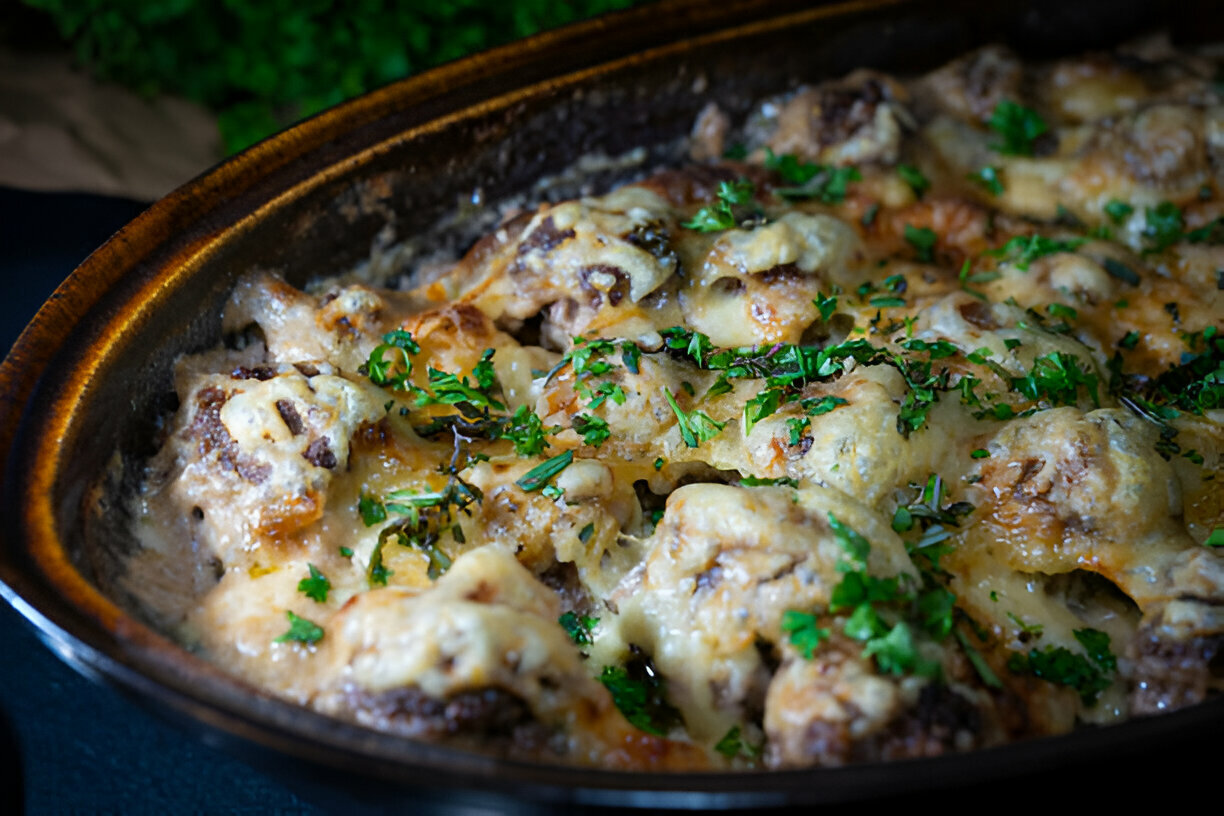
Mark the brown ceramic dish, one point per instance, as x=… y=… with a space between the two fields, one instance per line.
x=92 y=371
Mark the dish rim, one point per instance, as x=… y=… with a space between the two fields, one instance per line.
x=94 y=635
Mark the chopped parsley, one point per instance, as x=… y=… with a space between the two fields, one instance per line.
x=1057 y=377
x=874 y=605
x=1060 y=310
x=815 y=406
x=631 y=356
x=1059 y=665
x=393 y=371
x=912 y=176
x=805 y=180
x=301 y=630
x=1018 y=126
x=988 y=177
x=733 y=744
x=805 y=635
x=423 y=518
x=1096 y=644
x=371 y=510
x=978 y=662
x=316 y=586
x=526 y=430
x=726 y=214
x=578 y=627
x=640 y=693
x=1118 y=211
x=1162 y=226
x=539 y=475
x=922 y=239
x=826 y=305
x=761 y=406
x=696 y=426
x=1024 y=249
x=601 y=393
x=378 y=572
x=446 y=388
x=759 y=481
x=594 y=430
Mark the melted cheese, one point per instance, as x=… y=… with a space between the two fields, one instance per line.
x=1066 y=511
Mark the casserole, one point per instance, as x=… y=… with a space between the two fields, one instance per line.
x=362 y=172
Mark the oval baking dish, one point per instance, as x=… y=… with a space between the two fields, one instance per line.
x=86 y=383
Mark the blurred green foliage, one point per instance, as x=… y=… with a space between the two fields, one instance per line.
x=262 y=64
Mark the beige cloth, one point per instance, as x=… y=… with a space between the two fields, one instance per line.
x=60 y=130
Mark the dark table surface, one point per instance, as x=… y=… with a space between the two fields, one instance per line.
x=73 y=745
x=80 y=746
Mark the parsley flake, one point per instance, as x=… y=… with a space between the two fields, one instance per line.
x=696 y=426
x=316 y=586
x=922 y=239
x=301 y=630
x=912 y=176
x=733 y=744
x=594 y=430
x=640 y=693
x=723 y=215
x=1118 y=211
x=578 y=627
x=1162 y=226
x=988 y=177
x=1019 y=126
x=805 y=635
x=539 y=475
x=1024 y=249
x=824 y=183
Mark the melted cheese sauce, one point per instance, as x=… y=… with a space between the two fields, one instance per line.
x=984 y=449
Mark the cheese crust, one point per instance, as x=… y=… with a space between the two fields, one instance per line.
x=900 y=434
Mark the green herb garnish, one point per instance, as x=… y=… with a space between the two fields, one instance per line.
x=732 y=745
x=539 y=475
x=922 y=239
x=723 y=215
x=578 y=627
x=1162 y=226
x=988 y=177
x=640 y=693
x=696 y=426
x=300 y=630
x=594 y=430
x=1024 y=249
x=393 y=371
x=824 y=183
x=912 y=176
x=805 y=635
x=1118 y=210
x=1019 y=126
x=316 y=586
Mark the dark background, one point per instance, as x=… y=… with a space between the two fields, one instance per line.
x=72 y=745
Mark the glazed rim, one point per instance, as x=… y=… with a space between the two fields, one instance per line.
x=45 y=381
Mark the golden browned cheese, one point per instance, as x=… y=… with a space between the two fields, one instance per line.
x=900 y=434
